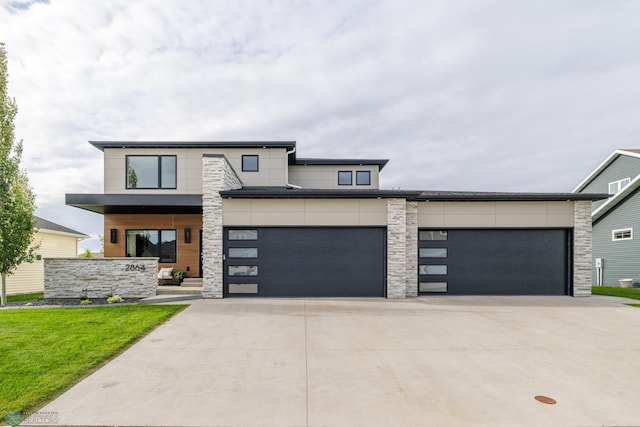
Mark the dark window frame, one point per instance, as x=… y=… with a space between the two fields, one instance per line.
x=159 y=158
x=350 y=177
x=257 y=157
x=161 y=260
x=363 y=173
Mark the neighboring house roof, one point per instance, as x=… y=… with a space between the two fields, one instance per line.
x=44 y=225
x=605 y=164
x=620 y=195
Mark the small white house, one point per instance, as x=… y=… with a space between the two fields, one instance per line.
x=56 y=241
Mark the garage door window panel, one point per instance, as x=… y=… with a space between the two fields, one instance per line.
x=432 y=270
x=243 y=270
x=432 y=287
x=243 y=234
x=433 y=235
x=433 y=252
x=243 y=252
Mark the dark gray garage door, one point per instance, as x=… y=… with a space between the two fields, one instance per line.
x=305 y=262
x=494 y=262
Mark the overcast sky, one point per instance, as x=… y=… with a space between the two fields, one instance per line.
x=459 y=95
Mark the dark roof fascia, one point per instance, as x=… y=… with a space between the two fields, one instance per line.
x=101 y=145
x=294 y=193
x=507 y=197
x=136 y=203
x=289 y=193
x=338 y=162
x=45 y=225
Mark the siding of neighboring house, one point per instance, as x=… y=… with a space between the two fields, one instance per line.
x=29 y=277
x=621 y=257
x=622 y=167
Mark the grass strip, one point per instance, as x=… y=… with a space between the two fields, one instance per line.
x=24 y=297
x=45 y=351
x=633 y=293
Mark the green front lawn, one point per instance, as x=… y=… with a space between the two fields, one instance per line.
x=633 y=293
x=24 y=297
x=45 y=351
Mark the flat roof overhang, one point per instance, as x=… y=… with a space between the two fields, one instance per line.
x=101 y=145
x=341 y=162
x=137 y=203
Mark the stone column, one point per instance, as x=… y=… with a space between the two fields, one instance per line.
x=396 y=248
x=412 y=249
x=217 y=175
x=582 y=278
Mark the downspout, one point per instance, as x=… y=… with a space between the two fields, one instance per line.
x=286 y=173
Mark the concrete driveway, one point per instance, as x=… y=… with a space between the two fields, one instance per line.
x=421 y=362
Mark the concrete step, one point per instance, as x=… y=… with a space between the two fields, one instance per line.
x=192 y=282
x=179 y=290
x=160 y=299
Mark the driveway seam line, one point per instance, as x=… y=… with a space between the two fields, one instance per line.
x=306 y=363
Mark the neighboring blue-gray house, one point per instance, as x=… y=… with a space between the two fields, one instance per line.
x=616 y=220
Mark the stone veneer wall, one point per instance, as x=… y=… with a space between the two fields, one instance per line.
x=582 y=249
x=412 y=249
x=396 y=248
x=127 y=277
x=217 y=175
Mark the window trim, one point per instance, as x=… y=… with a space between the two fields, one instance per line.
x=159 y=159
x=257 y=169
x=619 y=185
x=622 y=230
x=358 y=173
x=350 y=177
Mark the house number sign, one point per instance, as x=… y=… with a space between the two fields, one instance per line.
x=134 y=267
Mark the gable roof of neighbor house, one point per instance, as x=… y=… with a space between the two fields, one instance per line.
x=48 y=226
x=621 y=195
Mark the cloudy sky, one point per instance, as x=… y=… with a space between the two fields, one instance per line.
x=488 y=95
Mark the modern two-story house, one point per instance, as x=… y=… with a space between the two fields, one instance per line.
x=617 y=218
x=254 y=219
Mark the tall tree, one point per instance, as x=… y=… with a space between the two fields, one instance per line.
x=17 y=202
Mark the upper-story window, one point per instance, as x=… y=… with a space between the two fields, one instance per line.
x=151 y=172
x=363 y=178
x=250 y=163
x=623 y=234
x=616 y=186
x=345 y=178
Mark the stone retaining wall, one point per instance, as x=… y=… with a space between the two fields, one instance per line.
x=127 y=277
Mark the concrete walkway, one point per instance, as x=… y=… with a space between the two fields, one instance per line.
x=443 y=361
